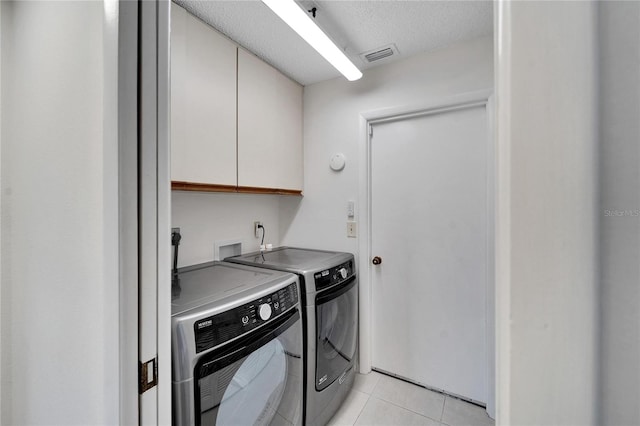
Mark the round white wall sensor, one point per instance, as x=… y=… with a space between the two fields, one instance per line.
x=337 y=162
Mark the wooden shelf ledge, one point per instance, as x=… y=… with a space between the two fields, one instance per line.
x=207 y=187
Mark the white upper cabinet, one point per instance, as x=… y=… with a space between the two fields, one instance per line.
x=236 y=122
x=203 y=102
x=269 y=126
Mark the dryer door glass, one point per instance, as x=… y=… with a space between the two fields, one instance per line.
x=255 y=382
x=336 y=331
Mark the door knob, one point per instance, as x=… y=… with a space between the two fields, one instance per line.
x=376 y=260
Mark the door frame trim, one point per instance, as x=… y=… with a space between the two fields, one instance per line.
x=127 y=205
x=368 y=118
x=153 y=208
x=163 y=17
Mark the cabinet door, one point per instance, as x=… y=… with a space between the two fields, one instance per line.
x=269 y=126
x=203 y=102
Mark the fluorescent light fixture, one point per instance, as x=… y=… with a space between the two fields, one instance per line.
x=301 y=23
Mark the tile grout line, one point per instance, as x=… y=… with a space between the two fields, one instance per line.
x=395 y=404
x=443 y=404
x=368 y=398
x=404 y=408
x=375 y=386
x=362 y=409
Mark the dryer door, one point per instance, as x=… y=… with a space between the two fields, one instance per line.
x=336 y=331
x=255 y=381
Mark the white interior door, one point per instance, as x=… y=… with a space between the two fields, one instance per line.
x=430 y=227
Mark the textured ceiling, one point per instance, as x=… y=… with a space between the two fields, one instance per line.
x=356 y=26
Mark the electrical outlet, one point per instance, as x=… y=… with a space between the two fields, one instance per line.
x=351 y=229
x=177 y=230
x=256 y=230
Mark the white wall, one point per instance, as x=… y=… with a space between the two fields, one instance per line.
x=619 y=66
x=59 y=340
x=547 y=281
x=331 y=116
x=204 y=218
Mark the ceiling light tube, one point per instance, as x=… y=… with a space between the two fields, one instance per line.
x=301 y=23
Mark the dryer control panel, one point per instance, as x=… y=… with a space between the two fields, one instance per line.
x=212 y=331
x=334 y=275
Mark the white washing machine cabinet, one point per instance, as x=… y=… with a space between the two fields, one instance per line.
x=236 y=346
x=329 y=286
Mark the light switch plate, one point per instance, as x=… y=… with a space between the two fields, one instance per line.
x=351 y=229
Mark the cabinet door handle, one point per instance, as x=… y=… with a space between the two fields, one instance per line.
x=376 y=260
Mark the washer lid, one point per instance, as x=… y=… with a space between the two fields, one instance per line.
x=214 y=282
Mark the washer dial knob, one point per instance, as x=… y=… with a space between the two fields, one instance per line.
x=343 y=272
x=264 y=311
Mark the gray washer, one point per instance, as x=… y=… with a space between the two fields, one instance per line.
x=330 y=303
x=236 y=342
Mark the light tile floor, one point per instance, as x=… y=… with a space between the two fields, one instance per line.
x=377 y=399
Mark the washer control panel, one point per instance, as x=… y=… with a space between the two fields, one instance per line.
x=212 y=331
x=334 y=275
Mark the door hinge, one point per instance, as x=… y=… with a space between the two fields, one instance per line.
x=148 y=375
x=370 y=130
